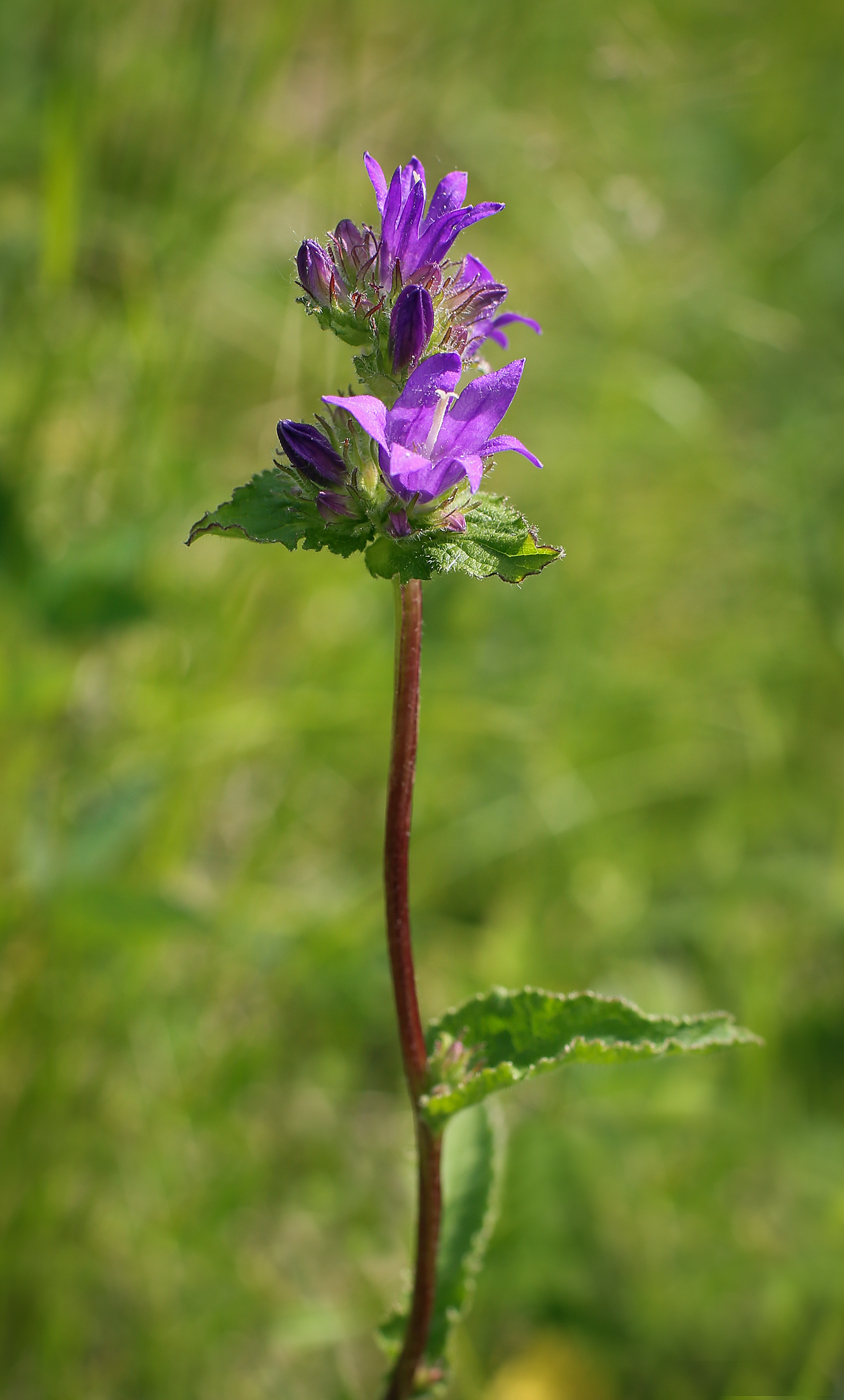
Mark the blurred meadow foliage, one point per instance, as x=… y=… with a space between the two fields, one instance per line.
x=630 y=772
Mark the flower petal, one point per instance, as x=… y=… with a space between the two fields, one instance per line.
x=409 y=473
x=508 y=317
x=390 y=216
x=454 y=469
x=478 y=411
x=407 y=232
x=449 y=194
x=439 y=235
x=472 y=271
x=412 y=474
x=379 y=183
x=369 y=412
x=409 y=420
x=506 y=443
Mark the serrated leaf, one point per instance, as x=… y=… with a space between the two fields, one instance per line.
x=272 y=508
x=473 y=1158
x=498 y=540
x=500 y=1038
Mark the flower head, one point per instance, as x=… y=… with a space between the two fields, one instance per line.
x=397 y=288
x=432 y=439
x=411 y=236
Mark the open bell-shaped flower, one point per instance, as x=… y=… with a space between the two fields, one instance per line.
x=411 y=236
x=431 y=439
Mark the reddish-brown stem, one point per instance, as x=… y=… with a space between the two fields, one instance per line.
x=411 y=1035
x=397 y=836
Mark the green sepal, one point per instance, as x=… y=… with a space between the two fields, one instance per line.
x=473 y=1160
x=273 y=508
x=498 y=540
x=344 y=324
x=499 y=1038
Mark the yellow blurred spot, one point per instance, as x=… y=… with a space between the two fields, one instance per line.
x=553 y=1368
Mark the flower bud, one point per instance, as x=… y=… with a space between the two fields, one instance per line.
x=317 y=273
x=355 y=250
x=398 y=523
x=310 y=452
x=411 y=325
x=332 y=506
x=456 y=522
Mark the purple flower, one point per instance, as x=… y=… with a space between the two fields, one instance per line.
x=412 y=238
x=318 y=275
x=472 y=298
x=428 y=442
x=310 y=452
x=411 y=325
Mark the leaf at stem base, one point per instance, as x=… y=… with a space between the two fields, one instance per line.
x=473 y=1157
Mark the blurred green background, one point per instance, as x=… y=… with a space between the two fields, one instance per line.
x=630 y=768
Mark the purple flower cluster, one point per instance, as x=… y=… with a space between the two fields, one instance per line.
x=413 y=456
x=365 y=276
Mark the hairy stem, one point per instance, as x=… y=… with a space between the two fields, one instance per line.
x=411 y=1035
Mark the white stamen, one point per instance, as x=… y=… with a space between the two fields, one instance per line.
x=445 y=398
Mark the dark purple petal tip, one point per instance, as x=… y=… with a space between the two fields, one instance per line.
x=310 y=452
x=331 y=506
x=411 y=325
x=317 y=273
x=398 y=523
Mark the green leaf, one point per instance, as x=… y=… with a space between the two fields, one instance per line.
x=473 y=1163
x=273 y=508
x=473 y=1159
x=498 y=540
x=500 y=1038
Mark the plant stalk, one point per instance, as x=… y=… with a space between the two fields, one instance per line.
x=411 y=1035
